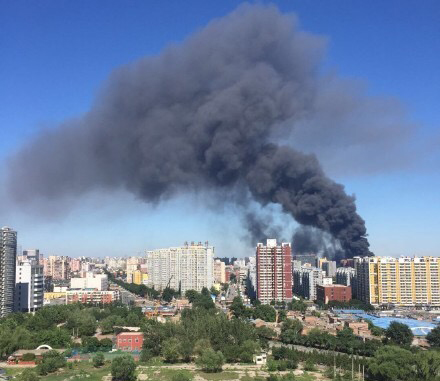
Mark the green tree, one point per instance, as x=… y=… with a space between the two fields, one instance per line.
x=391 y=363
x=238 y=308
x=247 y=351
x=291 y=331
x=211 y=361
x=168 y=294
x=98 y=360
x=123 y=368
x=399 y=334
x=214 y=291
x=433 y=337
x=51 y=362
x=145 y=355
x=90 y=344
x=264 y=312
x=27 y=375
x=427 y=364
x=191 y=295
x=170 y=350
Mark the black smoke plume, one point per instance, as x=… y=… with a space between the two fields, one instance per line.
x=200 y=116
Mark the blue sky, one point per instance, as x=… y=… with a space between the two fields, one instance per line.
x=56 y=54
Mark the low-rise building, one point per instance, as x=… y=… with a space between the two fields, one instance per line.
x=335 y=292
x=92 y=296
x=130 y=341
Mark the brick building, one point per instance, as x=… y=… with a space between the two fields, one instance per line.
x=337 y=292
x=129 y=341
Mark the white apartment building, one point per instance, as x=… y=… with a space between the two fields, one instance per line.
x=29 y=287
x=90 y=281
x=306 y=279
x=8 y=254
x=405 y=281
x=185 y=268
x=345 y=275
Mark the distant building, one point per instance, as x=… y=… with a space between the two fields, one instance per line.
x=130 y=341
x=182 y=268
x=405 y=281
x=219 y=271
x=8 y=255
x=57 y=267
x=345 y=275
x=29 y=287
x=92 y=297
x=90 y=281
x=336 y=292
x=309 y=258
x=305 y=281
x=274 y=272
x=137 y=277
x=328 y=266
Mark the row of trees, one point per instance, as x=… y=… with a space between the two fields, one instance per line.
x=58 y=325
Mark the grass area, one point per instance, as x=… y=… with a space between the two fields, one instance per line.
x=84 y=371
x=80 y=371
x=162 y=374
x=225 y=375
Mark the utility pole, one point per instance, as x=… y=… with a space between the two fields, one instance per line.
x=352 y=365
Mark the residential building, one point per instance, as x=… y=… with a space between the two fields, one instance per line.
x=345 y=275
x=328 y=266
x=57 y=267
x=8 y=255
x=219 y=271
x=94 y=297
x=182 y=268
x=306 y=279
x=137 y=277
x=130 y=341
x=305 y=258
x=335 y=292
x=29 y=287
x=90 y=281
x=405 y=281
x=274 y=271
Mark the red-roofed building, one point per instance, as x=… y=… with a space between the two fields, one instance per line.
x=129 y=341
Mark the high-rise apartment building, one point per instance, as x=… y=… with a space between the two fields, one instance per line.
x=328 y=266
x=345 y=276
x=405 y=281
x=306 y=279
x=29 y=287
x=185 y=268
x=274 y=272
x=8 y=255
x=57 y=267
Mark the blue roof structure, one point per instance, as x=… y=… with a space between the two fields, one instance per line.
x=418 y=327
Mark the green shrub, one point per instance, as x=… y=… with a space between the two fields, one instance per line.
x=28 y=357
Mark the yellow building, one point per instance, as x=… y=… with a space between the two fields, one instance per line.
x=405 y=281
x=54 y=295
x=137 y=277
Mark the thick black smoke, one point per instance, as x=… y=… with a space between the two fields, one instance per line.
x=309 y=240
x=201 y=116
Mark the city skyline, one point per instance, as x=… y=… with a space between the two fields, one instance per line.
x=91 y=224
